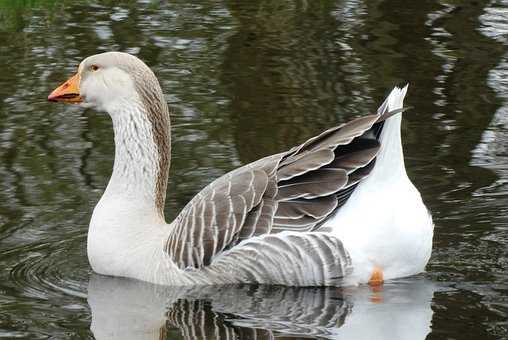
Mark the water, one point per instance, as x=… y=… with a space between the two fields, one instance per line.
x=248 y=79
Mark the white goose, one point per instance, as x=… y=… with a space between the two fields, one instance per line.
x=338 y=209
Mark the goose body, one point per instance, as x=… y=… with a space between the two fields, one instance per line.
x=337 y=209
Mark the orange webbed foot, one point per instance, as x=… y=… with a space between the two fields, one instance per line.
x=376 y=278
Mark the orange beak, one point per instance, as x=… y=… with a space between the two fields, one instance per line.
x=68 y=92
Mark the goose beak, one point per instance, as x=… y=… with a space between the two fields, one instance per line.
x=68 y=92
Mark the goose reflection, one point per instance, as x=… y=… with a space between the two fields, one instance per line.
x=126 y=309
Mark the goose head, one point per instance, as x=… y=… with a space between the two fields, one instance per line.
x=109 y=82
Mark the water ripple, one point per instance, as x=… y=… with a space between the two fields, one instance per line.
x=47 y=270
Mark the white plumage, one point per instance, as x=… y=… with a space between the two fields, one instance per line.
x=338 y=209
x=385 y=223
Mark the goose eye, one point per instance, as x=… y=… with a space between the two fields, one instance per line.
x=94 y=68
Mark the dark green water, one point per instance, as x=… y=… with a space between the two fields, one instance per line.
x=247 y=79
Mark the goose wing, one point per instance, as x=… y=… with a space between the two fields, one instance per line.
x=294 y=191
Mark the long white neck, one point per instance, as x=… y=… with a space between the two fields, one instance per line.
x=127 y=229
x=136 y=167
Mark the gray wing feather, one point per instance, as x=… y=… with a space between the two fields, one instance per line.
x=315 y=184
x=260 y=219
x=339 y=135
x=286 y=258
x=295 y=191
x=212 y=220
x=314 y=208
x=308 y=162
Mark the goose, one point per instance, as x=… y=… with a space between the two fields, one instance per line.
x=336 y=210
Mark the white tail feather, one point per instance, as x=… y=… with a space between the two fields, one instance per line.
x=390 y=160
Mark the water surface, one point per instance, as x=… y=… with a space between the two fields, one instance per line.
x=247 y=79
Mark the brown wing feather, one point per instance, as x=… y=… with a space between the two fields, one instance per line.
x=296 y=191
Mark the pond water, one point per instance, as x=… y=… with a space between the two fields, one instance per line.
x=248 y=79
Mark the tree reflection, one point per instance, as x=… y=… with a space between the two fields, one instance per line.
x=285 y=69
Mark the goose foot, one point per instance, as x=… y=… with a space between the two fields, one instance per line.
x=376 y=278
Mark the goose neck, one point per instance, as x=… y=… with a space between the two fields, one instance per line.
x=141 y=162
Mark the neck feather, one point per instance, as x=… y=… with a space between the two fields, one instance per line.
x=142 y=153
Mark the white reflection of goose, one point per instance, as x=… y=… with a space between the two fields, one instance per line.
x=126 y=309
x=401 y=310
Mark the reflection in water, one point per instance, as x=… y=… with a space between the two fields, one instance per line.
x=491 y=151
x=127 y=309
x=298 y=52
